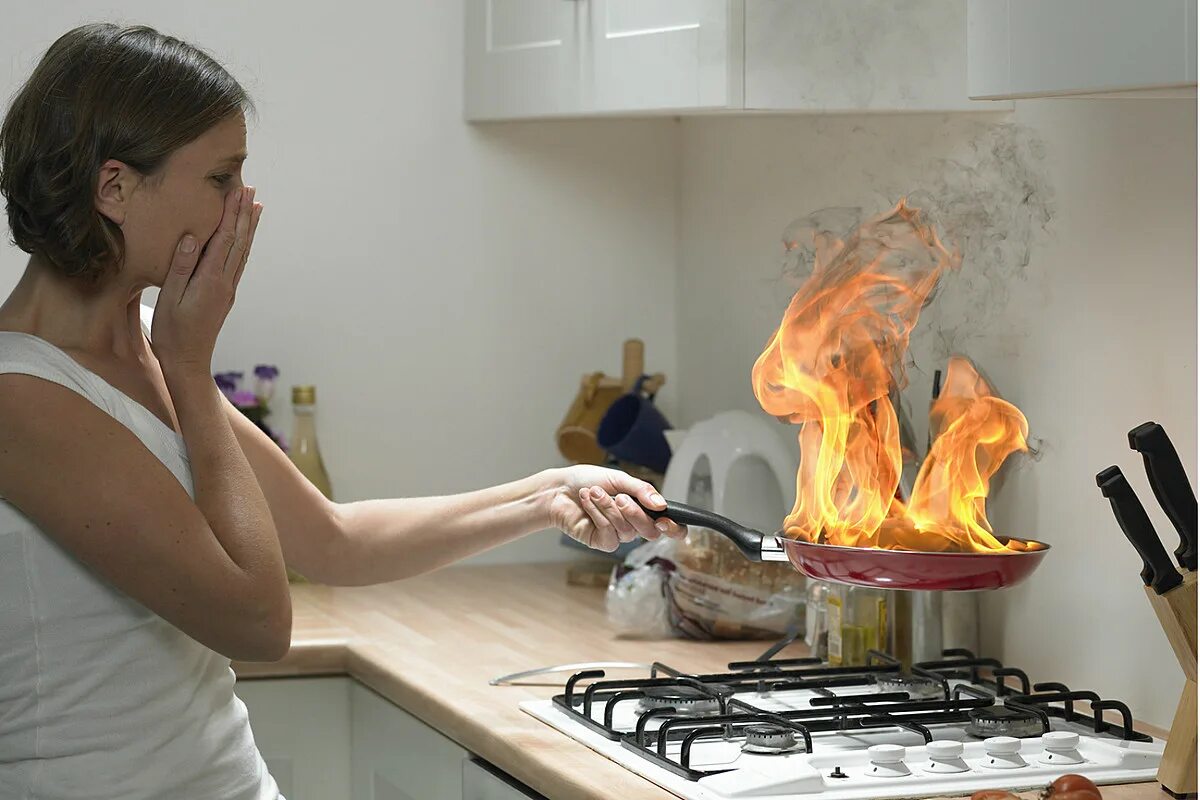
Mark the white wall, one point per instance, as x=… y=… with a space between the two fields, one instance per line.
x=443 y=286
x=1096 y=334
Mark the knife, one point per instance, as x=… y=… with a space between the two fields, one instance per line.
x=1158 y=571
x=1171 y=486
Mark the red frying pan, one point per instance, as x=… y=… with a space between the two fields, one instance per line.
x=862 y=566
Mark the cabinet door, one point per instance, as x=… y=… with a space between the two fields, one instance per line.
x=522 y=58
x=850 y=55
x=482 y=781
x=302 y=729
x=668 y=54
x=395 y=756
x=1031 y=48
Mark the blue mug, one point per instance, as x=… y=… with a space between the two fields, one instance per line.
x=632 y=430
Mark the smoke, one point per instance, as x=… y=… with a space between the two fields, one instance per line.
x=995 y=205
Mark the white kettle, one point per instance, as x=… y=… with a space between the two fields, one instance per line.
x=736 y=464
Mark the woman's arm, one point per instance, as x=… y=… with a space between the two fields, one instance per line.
x=374 y=541
x=386 y=540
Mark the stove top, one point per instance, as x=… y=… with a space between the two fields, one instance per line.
x=792 y=728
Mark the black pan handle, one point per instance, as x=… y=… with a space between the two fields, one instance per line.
x=1170 y=484
x=1158 y=571
x=748 y=540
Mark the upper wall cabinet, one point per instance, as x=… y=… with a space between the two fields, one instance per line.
x=1040 y=48
x=523 y=58
x=547 y=58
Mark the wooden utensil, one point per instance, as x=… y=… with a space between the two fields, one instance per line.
x=576 y=434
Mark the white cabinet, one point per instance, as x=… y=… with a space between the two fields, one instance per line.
x=1032 y=48
x=664 y=54
x=326 y=738
x=546 y=58
x=522 y=58
x=302 y=729
x=482 y=781
x=395 y=756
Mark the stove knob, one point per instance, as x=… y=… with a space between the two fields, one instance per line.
x=1061 y=747
x=1003 y=752
x=944 y=749
x=887 y=761
x=945 y=757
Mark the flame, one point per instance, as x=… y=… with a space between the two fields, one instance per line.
x=830 y=367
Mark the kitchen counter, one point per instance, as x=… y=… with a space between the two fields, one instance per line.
x=431 y=644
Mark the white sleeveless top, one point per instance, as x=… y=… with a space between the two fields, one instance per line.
x=101 y=698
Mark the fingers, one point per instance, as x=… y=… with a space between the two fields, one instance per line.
x=605 y=517
x=621 y=518
x=649 y=497
x=183 y=265
x=216 y=251
x=240 y=248
x=255 y=214
x=646 y=494
x=636 y=517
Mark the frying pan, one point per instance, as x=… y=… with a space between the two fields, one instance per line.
x=861 y=566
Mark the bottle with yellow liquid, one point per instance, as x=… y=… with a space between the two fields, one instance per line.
x=303 y=448
x=857 y=621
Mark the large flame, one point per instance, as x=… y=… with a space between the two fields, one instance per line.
x=830 y=367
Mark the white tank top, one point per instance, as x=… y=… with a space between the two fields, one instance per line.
x=101 y=698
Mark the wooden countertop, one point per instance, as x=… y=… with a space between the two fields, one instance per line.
x=431 y=644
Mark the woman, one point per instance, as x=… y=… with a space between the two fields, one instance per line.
x=145 y=523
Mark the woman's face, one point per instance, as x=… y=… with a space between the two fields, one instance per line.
x=187 y=198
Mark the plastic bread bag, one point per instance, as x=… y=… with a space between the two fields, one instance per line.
x=636 y=602
x=703 y=588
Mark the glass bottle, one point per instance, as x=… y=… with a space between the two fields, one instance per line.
x=816 y=630
x=304 y=451
x=858 y=621
x=303 y=448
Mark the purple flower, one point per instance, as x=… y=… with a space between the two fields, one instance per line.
x=264 y=385
x=243 y=399
x=228 y=382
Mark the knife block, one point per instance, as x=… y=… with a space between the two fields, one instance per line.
x=1176 y=612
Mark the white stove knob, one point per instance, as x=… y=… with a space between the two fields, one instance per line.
x=1003 y=752
x=945 y=757
x=1002 y=745
x=1060 y=740
x=885 y=753
x=944 y=749
x=1061 y=747
x=887 y=761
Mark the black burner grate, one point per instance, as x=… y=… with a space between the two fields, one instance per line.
x=724 y=716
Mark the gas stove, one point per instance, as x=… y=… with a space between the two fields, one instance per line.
x=793 y=728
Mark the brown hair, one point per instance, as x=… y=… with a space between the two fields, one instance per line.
x=101 y=91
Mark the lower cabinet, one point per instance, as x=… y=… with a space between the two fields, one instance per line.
x=330 y=738
x=395 y=756
x=482 y=781
x=302 y=729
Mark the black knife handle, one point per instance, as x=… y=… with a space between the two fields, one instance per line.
x=1103 y=477
x=749 y=541
x=1170 y=484
x=1131 y=516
